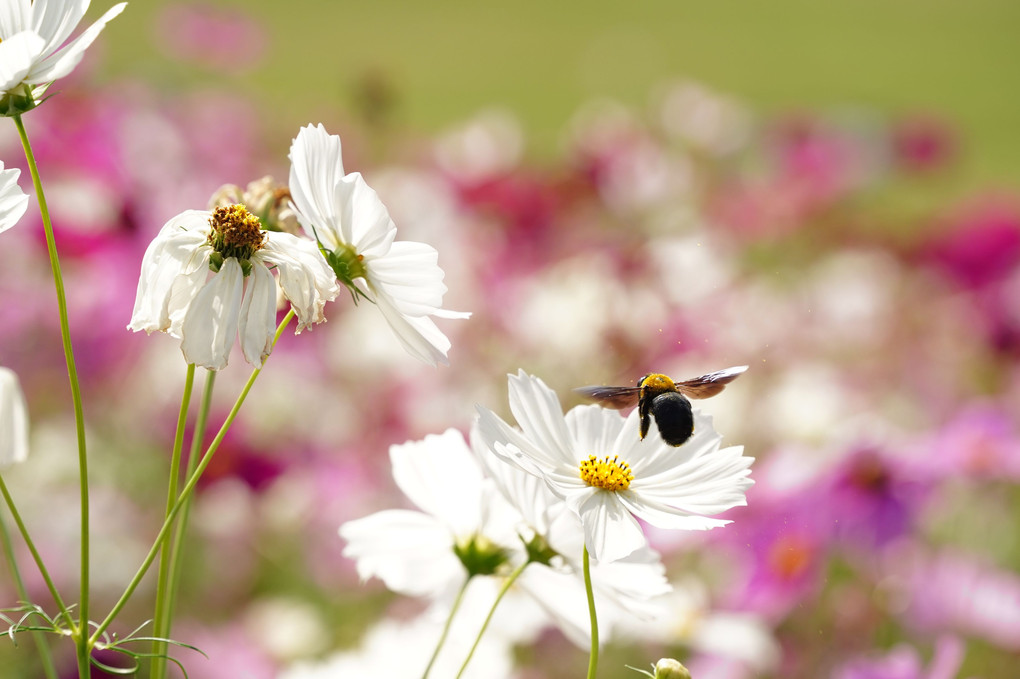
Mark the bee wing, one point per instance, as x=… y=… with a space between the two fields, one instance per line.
x=612 y=397
x=710 y=384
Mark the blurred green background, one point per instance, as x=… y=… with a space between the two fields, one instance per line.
x=446 y=59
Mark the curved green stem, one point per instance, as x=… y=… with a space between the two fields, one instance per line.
x=72 y=375
x=593 y=658
x=38 y=559
x=49 y=669
x=485 y=625
x=446 y=627
x=164 y=532
x=162 y=580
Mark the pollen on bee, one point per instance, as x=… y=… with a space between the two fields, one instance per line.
x=607 y=473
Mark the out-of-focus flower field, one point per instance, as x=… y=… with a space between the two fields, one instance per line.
x=877 y=307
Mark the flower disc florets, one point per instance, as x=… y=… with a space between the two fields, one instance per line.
x=237 y=233
x=608 y=474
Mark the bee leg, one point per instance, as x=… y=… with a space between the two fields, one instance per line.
x=645 y=422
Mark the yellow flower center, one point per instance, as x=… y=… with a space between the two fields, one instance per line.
x=608 y=474
x=236 y=232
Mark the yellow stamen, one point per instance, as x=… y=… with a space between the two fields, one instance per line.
x=608 y=474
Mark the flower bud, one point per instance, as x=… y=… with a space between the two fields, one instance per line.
x=668 y=668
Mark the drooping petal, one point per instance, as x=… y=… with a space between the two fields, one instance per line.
x=257 y=321
x=13 y=201
x=62 y=61
x=417 y=334
x=210 y=324
x=178 y=250
x=411 y=552
x=307 y=281
x=13 y=419
x=665 y=516
x=316 y=168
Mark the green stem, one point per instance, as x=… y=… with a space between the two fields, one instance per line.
x=446 y=627
x=593 y=658
x=38 y=637
x=164 y=532
x=72 y=375
x=38 y=559
x=177 y=548
x=160 y=615
x=485 y=625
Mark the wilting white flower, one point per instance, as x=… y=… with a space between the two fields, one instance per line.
x=351 y=223
x=206 y=279
x=608 y=475
x=463 y=526
x=13 y=201
x=32 y=41
x=13 y=420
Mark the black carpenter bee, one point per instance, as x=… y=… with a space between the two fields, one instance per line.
x=658 y=396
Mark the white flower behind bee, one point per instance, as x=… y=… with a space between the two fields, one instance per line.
x=596 y=461
x=354 y=228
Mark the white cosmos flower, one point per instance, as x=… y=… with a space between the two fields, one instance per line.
x=33 y=36
x=346 y=216
x=416 y=552
x=624 y=590
x=13 y=201
x=206 y=279
x=13 y=420
x=633 y=478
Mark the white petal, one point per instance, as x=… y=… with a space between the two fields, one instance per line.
x=417 y=334
x=17 y=54
x=563 y=598
x=409 y=275
x=365 y=222
x=316 y=168
x=305 y=277
x=441 y=476
x=13 y=201
x=13 y=419
x=178 y=250
x=412 y=553
x=15 y=16
x=210 y=324
x=511 y=446
x=705 y=485
x=257 y=321
x=61 y=62
x=664 y=516
x=610 y=532
x=595 y=430
x=539 y=415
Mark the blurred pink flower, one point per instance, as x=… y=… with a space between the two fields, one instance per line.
x=980 y=244
x=220 y=38
x=923 y=143
x=904 y=662
x=981 y=442
x=955 y=592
